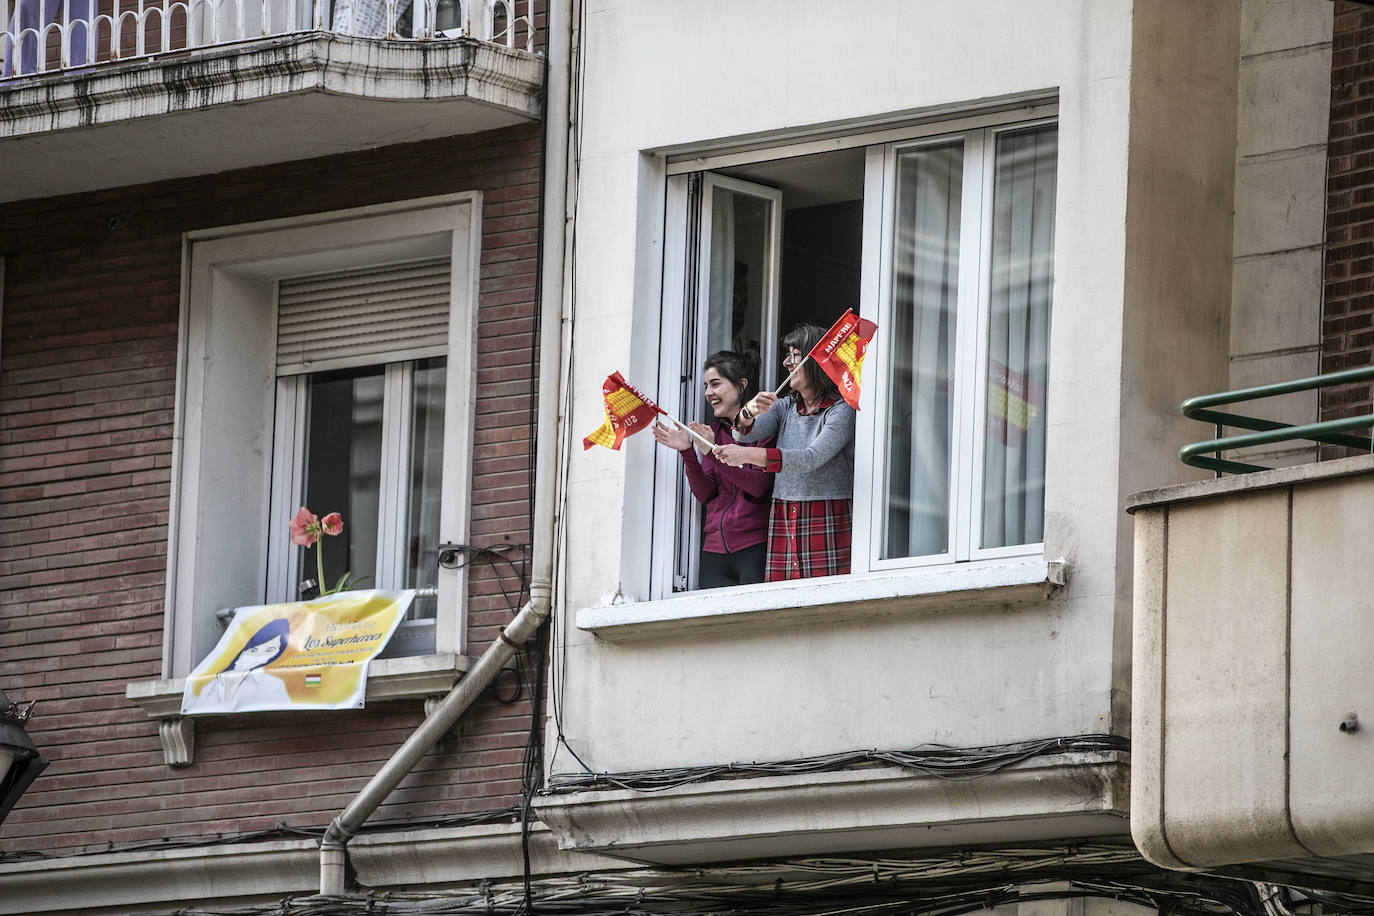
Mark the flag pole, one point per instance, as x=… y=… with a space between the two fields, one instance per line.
x=788 y=380
x=695 y=435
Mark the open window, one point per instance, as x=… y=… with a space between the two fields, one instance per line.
x=946 y=240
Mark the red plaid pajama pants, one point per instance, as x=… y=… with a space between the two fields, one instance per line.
x=810 y=538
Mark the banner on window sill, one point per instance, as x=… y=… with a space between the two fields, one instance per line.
x=301 y=655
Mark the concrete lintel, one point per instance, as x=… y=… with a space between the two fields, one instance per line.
x=242 y=873
x=1055 y=797
x=1260 y=480
x=451 y=855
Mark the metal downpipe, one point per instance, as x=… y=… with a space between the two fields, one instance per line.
x=333 y=847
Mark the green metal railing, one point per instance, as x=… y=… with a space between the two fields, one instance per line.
x=1208 y=454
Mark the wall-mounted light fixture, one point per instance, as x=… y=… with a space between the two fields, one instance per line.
x=20 y=762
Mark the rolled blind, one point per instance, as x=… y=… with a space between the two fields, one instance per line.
x=364 y=316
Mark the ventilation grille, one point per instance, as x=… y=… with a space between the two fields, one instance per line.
x=358 y=317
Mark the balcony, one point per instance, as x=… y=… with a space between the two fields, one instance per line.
x=103 y=93
x=1252 y=623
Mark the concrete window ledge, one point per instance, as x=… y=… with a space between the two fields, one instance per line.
x=756 y=608
x=1055 y=797
x=246 y=873
x=420 y=677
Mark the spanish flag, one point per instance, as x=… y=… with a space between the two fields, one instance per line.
x=627 y=412
x=840 y=353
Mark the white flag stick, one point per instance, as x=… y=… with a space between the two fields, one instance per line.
x=788 y=380
x=696 y=435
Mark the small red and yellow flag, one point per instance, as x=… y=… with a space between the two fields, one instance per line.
x=840 y=353
x=627 y=412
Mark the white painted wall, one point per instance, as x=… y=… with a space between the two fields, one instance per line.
x=672 y=75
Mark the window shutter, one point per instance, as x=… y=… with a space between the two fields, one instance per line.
x=363 y=317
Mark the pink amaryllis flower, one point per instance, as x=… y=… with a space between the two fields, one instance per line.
x=305 y=527
x=308 y=531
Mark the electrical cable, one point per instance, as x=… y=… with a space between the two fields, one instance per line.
x=942 y=762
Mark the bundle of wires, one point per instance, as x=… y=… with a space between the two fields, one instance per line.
x=953 y=763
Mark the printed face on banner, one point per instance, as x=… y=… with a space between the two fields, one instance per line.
x=301 y=655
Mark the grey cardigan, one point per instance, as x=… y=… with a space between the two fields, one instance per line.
x=817 y=450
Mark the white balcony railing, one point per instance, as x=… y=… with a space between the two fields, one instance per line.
x=50 y=36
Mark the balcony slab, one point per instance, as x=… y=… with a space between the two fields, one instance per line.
x=1252 y=620
x=256 y=103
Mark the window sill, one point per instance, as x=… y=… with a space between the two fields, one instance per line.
x=412 y=678
x=756 y=608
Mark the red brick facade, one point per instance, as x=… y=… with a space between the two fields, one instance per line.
x=88 y=352
x=1348 y=302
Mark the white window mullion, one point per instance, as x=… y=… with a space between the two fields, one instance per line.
x=977 y=464
x=875 y=292
x=392 y=523
x=968 y=365
x=288 y=485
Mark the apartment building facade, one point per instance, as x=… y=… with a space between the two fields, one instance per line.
x=255 y=262
x=1065 y=217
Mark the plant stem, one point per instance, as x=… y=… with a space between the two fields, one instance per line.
x=319 y=564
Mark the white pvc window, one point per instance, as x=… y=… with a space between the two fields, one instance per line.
x=966 y=276
x=326 y=361
x=957 y=247
x=364 y=438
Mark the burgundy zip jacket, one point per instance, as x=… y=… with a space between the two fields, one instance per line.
x=737 y=500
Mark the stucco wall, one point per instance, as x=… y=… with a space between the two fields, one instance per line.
x=669 y=76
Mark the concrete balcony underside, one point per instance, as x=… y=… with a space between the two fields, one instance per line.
x=1251 y=708
x=1057 y=797
x=275 y=100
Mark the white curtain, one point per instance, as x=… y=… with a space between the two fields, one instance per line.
x=1018 y=337
x=925 y=293
x=720 y=310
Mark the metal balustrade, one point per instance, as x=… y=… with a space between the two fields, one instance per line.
x=43 y=37
x=1208 y=453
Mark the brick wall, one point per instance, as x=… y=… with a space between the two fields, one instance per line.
x=87 y=371
x=1348 y=306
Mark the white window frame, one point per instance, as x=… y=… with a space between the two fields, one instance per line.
x=286 y=566
x=979 y=133
x=224 y=512
x=671 y=485
x=971 y=355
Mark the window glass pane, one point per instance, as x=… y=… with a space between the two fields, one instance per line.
x=739 y=270
x=925 y=289
x=343 y=467
x=426 y=471
x=1018 y=337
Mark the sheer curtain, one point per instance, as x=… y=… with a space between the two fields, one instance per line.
x=343 y=466
x=925 y=290
x=720 y=310
x=426 y=478
x=1022 y=275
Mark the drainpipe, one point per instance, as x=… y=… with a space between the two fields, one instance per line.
x=345 y=826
